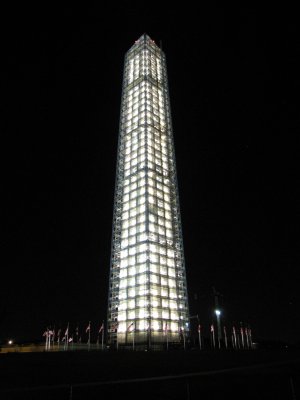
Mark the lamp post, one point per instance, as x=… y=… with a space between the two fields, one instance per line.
x=218 y=313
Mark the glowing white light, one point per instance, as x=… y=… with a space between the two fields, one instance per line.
x=123 y=273
x=131 y=292
x=173 y=305
x=174 y=327
x=142 y=279
x=155 y=325
x=131 y=304
x=122 y=305
x=141 y=303
x=131 y=314
x=122 y=327
x=172 y=283
x=122 y=316
x=132 y=271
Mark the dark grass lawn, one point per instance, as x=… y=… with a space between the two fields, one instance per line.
x=255 y=374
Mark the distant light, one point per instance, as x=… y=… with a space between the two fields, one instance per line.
x=10 y=342
x=218 y=313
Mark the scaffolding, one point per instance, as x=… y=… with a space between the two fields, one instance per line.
x=147 y=301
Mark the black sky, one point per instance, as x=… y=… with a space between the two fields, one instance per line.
x=234 y=84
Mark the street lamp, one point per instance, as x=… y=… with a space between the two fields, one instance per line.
x=218 y=313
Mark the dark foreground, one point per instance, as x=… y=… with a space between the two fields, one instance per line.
x=255 y=374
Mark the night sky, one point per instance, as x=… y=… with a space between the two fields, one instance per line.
x=234 y=90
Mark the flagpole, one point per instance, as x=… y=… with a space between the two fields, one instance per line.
x=49 y=337
x=238 y=341
x=167 y=341
x=242 y=336
x=166 y=329
x=89 y=335
x=77 y=336
x=199 y=334
x=247 y=337
x=213 y=335
x=102 y=336
x=250 y=338
x=53 y=338
x=67 y=337
x=133 y=338
x=49 y=340
x=46 y=340
x=225 y=336
x=58 y=339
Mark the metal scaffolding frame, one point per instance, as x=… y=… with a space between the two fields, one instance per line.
x=147 y=285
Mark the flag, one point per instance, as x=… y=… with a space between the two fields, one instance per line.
x=67 y=331
x=114 y=326
x=212 y=329
x=166 y=329
x=129 y=326
x=88 y=327
x=101 y=327
x=50 y=333
x=45 y=333
x=250 y=338
x=70 y=339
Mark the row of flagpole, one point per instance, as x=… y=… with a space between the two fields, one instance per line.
x=240 y=339
x=52 y=337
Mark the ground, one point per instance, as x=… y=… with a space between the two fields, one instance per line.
x=255 y=374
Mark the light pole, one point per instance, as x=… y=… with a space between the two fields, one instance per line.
x=218 y=313
x=217 y=295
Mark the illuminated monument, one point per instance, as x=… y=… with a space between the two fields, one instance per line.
x=147 y=304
